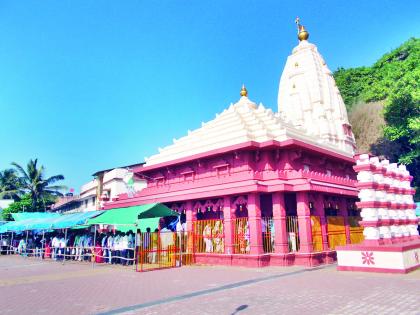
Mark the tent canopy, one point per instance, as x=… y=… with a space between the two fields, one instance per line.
x=134 y=215
x=19 y=216
x=48 y=223
x=143 y=224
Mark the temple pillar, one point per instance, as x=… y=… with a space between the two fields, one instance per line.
x=189 y=215
x=227 y=225
x=344 y=212
x=254 y=217
x=319 y=207
x=279 y=217
x=304 y=220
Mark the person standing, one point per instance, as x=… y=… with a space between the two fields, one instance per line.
x=124 y=249
x=54 y=245
x=131 y=245
x=104 y=247
x=38 y=246
x=110 y=247
x=116 y=253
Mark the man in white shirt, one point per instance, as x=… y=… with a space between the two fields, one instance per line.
x=124 y=249
x=116 y=249
x=61 y=244
x=54 y=245
x=110 y=247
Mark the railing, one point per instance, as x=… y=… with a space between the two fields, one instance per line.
x=158 y=251
x=336 y=231
x=267 y=227
x=316 y=233
x=292 y=228
x=241 y=236
x=209 y=236
x=356 y=231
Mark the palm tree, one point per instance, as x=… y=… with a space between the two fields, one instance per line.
x=36 y=185
x=10 y=185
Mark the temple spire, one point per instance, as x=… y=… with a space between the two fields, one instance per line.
x=302 y=32
x=244 y=91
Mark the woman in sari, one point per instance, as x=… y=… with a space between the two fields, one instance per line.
x=98 y=253
x=47 y=249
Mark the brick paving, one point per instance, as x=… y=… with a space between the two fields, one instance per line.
x=31 y=286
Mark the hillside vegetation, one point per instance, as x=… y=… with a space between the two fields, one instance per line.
x=397 y=71
x=384 y=106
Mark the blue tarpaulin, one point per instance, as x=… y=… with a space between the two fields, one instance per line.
x=57 y=222
x=70 y=220
x=20 y=216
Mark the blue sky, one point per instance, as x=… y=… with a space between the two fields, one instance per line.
x=88 y=85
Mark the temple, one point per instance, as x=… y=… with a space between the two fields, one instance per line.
x=257 y=187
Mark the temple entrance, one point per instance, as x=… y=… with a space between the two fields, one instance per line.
x=208 y=236
x=292 y=224
x=161 y=250
x=267 y=223
x=316 y=233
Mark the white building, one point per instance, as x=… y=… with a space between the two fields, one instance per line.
x=106 y=186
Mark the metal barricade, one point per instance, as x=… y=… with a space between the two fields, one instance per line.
x=158 y=250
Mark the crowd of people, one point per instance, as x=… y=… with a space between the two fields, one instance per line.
x=109 y=247
x=100 y=246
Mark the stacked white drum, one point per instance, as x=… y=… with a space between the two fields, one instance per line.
x=386 y=201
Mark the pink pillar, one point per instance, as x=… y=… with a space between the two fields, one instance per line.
x=344 y=212
x=189 y=215
x=319 y=207
x=279 y=217
x=304 y=220
x=227 y=225
x=254 y=216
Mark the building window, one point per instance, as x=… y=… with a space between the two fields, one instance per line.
x=306 y=167
x=329 y=172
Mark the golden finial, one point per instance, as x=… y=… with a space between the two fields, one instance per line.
x=244 y=91
x=302 y=32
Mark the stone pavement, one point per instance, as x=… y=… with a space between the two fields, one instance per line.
x=31 y=286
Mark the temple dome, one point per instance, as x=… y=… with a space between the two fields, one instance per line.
x=308 y=96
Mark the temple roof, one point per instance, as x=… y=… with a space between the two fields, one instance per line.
x=310 y=109
x=241 y=122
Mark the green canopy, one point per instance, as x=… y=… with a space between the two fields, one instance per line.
x=136 y=215
x=143 y=224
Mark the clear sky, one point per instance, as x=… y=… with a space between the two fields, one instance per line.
x=89 y=85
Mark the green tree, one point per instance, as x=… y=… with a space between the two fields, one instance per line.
x=397 y=69
x=402 y=117
x=36 y=185
x=10 y=185
x=24 y=204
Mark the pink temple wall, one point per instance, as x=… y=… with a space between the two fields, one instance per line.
x=271 y=182
x=288 y=170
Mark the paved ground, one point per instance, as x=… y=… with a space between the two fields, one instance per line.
x=30 y=286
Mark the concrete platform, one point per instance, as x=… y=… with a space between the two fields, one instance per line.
x=387 y=258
